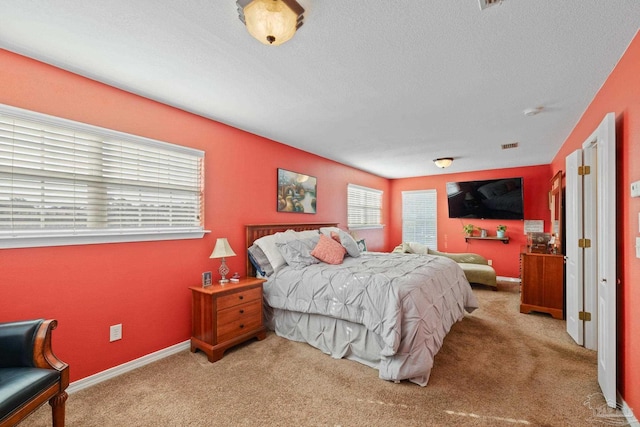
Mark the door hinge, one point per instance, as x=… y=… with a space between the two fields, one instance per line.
x=584 y=243
x=584 y=315
x=584 y=170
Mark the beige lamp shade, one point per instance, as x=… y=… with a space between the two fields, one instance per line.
x=272 y=22
x=222 y=249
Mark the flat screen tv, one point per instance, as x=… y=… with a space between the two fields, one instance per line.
x=488 y=199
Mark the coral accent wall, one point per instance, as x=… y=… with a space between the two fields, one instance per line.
x=144 y=285
x=506 y=258
x=620 y=94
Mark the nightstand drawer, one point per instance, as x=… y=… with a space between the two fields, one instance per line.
x=239 y=298
x=238 y=320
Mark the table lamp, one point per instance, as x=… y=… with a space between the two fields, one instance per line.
x=222 y=250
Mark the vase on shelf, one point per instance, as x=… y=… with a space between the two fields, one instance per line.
x=500 y=234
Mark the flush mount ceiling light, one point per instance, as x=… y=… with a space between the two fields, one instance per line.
x=532 y=111
x=486 y=3
x=271 y=22
x=443 y=162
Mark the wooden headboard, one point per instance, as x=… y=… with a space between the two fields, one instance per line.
x=255 y=231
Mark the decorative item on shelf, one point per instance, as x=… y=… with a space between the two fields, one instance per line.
x=222 y=250
x=538 y=242
x=235 y=278
x=271 y=22
x=469 y=229
x=500 y=231
x=483 y=232
x=206 y=279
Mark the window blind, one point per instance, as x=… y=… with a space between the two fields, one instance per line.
x=61 y=179
x=364 y=207
x=419 y=217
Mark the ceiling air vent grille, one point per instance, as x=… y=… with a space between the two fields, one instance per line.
x=510 y=145
x=486 y=3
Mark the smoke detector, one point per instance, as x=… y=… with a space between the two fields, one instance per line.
x=486 y=3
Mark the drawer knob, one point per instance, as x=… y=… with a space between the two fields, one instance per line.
x=241 y=326
x=241 y=311
x=241 y=297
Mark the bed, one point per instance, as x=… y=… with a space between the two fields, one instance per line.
x=388 y=311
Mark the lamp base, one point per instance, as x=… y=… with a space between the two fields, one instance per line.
x=223 y=281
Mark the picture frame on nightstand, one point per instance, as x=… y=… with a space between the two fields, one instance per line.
x=206 y=279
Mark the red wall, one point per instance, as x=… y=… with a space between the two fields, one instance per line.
x=144 y=285
x=621 y=94
x=506 y=258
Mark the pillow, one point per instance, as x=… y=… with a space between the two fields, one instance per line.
x=328 y=250
x=297 y=253
x=346 y=240
x=416 y=248
x=260 y=261
x=268 y=246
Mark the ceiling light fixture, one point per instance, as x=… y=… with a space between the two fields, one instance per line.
x=443 y=162
x=271 y=22
x=532 y=111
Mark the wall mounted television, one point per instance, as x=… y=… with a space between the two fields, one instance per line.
x=487 y=199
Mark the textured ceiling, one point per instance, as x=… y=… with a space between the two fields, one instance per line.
x=379 y=85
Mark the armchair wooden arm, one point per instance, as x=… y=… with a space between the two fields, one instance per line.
x=27 y=384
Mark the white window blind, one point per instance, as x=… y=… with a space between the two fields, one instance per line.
x=419 y=217
x=65 y=182
x=364 y=207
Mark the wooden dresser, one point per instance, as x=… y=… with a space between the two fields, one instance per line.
x=226 y=315
x=542 y=278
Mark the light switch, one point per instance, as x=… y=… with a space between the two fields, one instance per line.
x=635 y=189
x=637 y=247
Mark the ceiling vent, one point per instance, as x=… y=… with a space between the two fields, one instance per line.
x=486 y=3
x=508 y=146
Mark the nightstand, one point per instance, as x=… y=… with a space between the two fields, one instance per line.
x=224 y=316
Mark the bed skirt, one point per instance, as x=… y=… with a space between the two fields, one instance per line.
x=343 y=339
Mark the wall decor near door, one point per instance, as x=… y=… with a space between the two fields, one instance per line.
x=296 y=192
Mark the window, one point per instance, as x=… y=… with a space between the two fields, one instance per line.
x=65 y=182
x=419 y=214
x=364 y=207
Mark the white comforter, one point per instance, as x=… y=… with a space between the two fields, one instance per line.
x=410 y=301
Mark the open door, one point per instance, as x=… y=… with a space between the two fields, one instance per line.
x=574 y=256
x=591 y=250
x=607 y=274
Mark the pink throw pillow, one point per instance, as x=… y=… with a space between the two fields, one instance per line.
x=328 y=250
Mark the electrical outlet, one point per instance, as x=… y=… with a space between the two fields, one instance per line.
x=635 y=189
x=490 y=261
x=115 y=332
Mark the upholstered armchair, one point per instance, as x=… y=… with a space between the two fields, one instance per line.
x=30 y=374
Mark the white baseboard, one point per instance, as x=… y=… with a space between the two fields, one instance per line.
x=628 y=412
x=126 y=367
x=508 y=279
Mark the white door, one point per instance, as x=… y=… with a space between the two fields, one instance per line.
x=590 y=231
x=597 y=212
x=607 y=275
x=574 y=266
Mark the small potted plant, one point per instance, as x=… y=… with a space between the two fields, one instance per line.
x=501 y=229
x=469 y=229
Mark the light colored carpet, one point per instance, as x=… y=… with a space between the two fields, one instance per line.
x=497 y=368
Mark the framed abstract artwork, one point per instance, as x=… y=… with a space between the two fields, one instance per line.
x=296 y=192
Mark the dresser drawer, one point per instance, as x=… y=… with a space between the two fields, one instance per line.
x=235 y=321
x=239 y=298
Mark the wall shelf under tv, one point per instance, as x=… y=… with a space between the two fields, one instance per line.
x=504 y=240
